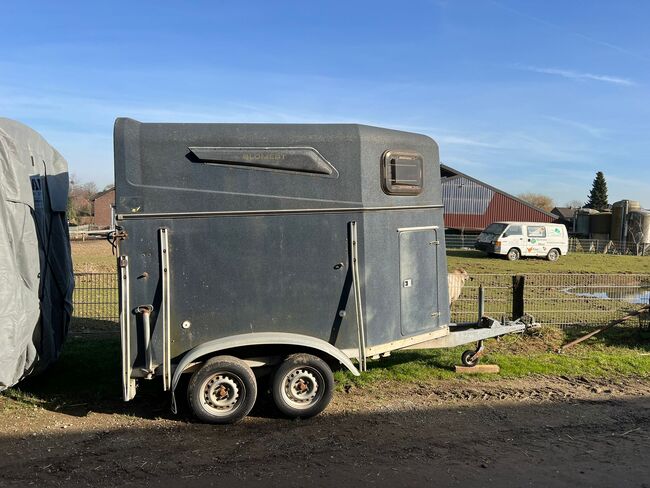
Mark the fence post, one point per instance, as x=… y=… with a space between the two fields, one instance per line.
x=518 y=285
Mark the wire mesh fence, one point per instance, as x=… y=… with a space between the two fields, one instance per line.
x=570 y=299
x=554 y=299
x=594 y=246
x=497 y=291
x=95 y=296
x=601 y=246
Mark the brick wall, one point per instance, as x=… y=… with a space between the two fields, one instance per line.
x=102 y=208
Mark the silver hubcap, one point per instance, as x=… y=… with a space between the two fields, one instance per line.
x=222 y=393
x=301 y=387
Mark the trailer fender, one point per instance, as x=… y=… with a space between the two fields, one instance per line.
x=257 y=339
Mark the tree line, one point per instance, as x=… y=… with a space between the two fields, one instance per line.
x=597 y=198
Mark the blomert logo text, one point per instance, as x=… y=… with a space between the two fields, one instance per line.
x=264 y=156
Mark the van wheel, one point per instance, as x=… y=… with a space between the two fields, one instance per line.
x=303 y=386
x=553 y=255
x=223 y=391
x=513 y=254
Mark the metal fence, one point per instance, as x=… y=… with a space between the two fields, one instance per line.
x=602 y=246
x=594 y=246
x=95 y=296
x=555 y=299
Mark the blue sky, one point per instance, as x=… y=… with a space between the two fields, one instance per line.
x=529 y=96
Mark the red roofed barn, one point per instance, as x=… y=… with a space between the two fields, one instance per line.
x=471 y=205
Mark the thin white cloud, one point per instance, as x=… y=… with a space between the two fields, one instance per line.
x=573 y=33
x=576 y=75
x=590 y=129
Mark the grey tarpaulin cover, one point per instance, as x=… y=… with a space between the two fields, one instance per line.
x=36 y=278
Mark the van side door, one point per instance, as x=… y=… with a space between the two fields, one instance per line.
x=536 y=240
x=513 y=236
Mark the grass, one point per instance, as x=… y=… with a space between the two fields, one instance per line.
x=88 y=372
x=477 y=262
x=615 y=354
x=93 y=256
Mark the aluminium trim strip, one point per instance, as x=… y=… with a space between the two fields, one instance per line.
x=236 y=213
x=424 y=227
x=361 y=334
x=166 y=307
x=128 y=384
x=409 y=342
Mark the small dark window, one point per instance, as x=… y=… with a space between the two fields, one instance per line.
x=402 y=173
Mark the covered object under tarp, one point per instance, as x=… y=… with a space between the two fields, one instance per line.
x=36 y=279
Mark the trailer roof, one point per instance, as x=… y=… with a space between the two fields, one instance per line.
x=187 y=168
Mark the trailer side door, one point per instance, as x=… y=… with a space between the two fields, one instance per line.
x=418 y=268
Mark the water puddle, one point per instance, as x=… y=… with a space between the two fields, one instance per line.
x=629 y=294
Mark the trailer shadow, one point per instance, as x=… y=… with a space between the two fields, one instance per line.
x=86 y=378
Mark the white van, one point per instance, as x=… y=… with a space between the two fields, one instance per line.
x=516 y=239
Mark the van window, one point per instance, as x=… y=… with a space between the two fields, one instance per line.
x=401 y=173
x=494 y=229
x=513 y=230
x=536 y=231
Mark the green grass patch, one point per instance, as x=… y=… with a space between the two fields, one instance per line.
x=617 y=353
x=432 y=365
x=88 y=372
x=478 y=262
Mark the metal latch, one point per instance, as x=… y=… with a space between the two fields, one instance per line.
x=407 y=283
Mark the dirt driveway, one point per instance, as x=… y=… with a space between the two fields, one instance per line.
x=533 y=432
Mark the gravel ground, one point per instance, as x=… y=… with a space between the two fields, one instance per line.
x=537 y=431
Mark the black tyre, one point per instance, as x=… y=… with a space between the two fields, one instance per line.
x=466 y=359
x=553 y=255
x=513 y=254
x=223 y=391
x=303 y=386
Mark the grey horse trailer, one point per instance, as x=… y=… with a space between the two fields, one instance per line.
x=247 y=250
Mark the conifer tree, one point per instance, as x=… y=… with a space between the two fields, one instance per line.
x=598 y=194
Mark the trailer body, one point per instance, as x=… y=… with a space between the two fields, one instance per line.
x=262 y=239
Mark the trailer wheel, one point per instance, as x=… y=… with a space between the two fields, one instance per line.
x=466 y=359
x=553 y=255
x=513 y=254
x=223 y=391
x=303 y=386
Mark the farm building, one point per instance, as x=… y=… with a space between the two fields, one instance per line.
x=103 y=208
x=471 y=205
x=565 y=215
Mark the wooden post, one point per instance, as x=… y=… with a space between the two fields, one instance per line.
x=518 y=284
